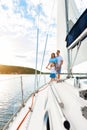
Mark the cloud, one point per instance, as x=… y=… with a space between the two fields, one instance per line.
x=19 y=16
x=19 y=21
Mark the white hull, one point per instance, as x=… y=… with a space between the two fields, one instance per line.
x=45 y=102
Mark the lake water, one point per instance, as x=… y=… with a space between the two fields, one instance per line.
x=11 y=96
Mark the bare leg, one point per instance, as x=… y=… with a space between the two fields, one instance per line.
x=58 y=76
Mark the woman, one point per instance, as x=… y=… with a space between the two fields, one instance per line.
x=53 y=59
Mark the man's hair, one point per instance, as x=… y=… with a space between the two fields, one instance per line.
x=58 y=51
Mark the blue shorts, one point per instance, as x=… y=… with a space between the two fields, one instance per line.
x=52 y=75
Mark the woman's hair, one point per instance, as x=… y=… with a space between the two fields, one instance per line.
x=52 y=55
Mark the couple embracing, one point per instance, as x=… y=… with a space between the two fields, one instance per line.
x=55 y=63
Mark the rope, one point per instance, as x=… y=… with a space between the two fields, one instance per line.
x=43 y=88
x=30 y=108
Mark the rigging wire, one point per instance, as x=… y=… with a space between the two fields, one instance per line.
x=46 y=40
x=36 y=78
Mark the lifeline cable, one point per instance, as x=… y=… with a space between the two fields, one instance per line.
x=30 y=108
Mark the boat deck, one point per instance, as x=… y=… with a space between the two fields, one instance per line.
x=55 y=106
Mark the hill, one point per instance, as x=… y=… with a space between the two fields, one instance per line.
x=5 y=69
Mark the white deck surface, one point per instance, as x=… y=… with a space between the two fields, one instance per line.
x=46 y=101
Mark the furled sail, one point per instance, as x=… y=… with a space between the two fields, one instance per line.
x=76 y=43
x=79 y=29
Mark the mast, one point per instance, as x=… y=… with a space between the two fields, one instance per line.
x=67 y=15
x=61 y=31
x=67 y=30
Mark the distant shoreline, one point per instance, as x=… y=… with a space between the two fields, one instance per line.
x=6 y=69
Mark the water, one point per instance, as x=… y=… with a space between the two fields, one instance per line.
x=10 y=94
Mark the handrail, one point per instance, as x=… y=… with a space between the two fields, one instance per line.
x=65 y=122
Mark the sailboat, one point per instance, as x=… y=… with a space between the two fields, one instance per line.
x=62 y=105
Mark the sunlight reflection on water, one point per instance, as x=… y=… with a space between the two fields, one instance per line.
x=10 y=94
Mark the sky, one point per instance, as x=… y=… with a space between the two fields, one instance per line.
x=19 y=22
x=24 y=27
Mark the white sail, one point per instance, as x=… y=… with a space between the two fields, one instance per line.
x=57 y=105
x=73 y=15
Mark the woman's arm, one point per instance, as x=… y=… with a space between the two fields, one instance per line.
x=47 y=65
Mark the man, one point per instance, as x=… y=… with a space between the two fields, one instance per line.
x=59 y=64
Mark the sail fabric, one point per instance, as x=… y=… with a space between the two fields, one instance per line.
x=77 y=29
